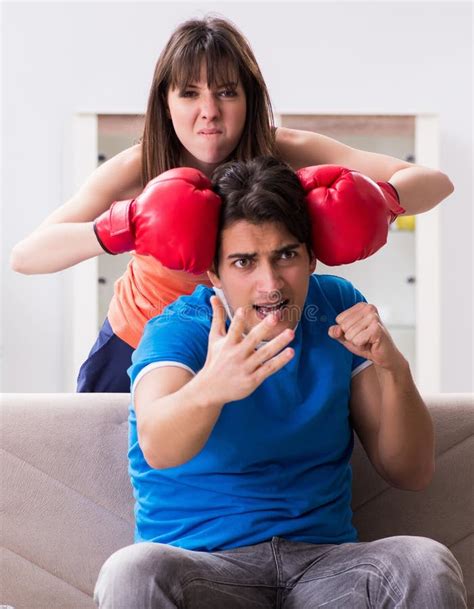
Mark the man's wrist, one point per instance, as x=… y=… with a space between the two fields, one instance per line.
x=397 y=371
x=204 y=394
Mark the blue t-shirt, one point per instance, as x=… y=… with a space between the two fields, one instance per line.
x=277 y=462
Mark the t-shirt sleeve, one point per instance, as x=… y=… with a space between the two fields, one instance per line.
x=169 y=340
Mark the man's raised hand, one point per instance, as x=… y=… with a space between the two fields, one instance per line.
x=362 y=332
x=234 y=367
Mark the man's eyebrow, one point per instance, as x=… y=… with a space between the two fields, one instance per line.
x=289 y=246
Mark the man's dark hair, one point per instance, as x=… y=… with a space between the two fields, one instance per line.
x=261 y=190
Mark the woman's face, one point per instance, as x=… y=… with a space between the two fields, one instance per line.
x=208 y=122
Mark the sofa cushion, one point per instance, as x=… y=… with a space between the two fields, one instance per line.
x=68 y=502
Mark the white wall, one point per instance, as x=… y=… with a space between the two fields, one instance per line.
x=62 y=58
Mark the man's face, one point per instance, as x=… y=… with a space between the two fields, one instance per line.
x=263 y=268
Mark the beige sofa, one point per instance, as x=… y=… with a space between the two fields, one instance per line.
x=68 y=503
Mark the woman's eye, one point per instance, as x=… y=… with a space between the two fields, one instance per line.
x=224 y=93
x=228 y=93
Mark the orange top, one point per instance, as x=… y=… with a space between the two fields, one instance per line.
x=143 y=291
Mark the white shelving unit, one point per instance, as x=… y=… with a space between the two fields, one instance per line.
x=402 y=279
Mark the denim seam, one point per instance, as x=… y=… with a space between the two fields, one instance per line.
x=391 y=583
x=277 y=560
x=226 y=583
x=315 y=562
x=279 y=570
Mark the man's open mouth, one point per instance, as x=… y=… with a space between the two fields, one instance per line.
x=265 y=309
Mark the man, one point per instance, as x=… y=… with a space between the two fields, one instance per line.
x=241 y=431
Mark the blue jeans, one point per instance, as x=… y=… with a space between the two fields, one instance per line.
x=397 y=572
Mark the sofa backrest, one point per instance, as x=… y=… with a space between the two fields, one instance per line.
x=68 y=502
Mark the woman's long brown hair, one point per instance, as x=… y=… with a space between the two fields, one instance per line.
x=227 y=56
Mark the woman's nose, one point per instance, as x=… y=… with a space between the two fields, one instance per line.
x=209 y=106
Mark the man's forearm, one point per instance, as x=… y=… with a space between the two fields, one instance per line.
x=421 y=188
x=406 y=436
x=180 y=427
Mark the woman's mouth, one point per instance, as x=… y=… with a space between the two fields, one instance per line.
x=210 y=132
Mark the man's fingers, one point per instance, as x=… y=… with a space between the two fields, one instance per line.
x=269 y=350
x=369 y=336
x=359 y=333
x=237 y=326
x=260 y=331
x=218 y=318
x=355 y=314
x=368 y=321
x=335 y=332
x=361 y=343
x=273 y=365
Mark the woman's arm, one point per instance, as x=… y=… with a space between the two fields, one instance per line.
x=420 y=188
x=67 y=236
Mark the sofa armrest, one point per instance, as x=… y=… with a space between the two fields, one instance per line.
x=444 y=510
x=66 y=496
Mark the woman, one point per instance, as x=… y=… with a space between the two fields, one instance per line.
x=208 y=104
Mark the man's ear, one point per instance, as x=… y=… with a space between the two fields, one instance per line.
x=312 y=264
x=214 y=278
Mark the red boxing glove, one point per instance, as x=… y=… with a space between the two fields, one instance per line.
x=350 y=213
x=174 y=220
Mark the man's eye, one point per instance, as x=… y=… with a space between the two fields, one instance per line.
x=242 y=263
x=288 y=255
